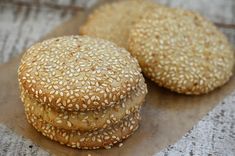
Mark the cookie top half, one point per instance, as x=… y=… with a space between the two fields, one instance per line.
x=113 y=21
x=181 y=50
x=78 y=73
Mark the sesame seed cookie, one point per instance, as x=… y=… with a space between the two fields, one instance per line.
x=103 y=138
x=182 y=51
x=85 y=121
x=113 y=21
x=78 y=73
x=81 y=91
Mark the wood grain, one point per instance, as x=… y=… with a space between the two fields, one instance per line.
x=213 y=135
x=21 y=26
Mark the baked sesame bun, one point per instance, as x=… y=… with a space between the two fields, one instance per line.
x=182 y=51
x=81 y=85
x=113 y=21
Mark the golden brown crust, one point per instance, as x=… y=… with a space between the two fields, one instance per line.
x=113 y=21
x=104 y=138
x=78 y=73
x=81 y=91
x=182 y=51
x=88 y=121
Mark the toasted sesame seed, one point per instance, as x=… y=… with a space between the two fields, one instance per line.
x=84 y=106
x=55 y=87
x=69 y=124
x=44 y=99
x=58 y=100
x=59 y=121
x=82 y=139
x=70 y=105
x=120 y=144
x=66 y=117
x=66 y=137
x=108 y=121
x=77 y=106
x=93 y=98
x=107 y=137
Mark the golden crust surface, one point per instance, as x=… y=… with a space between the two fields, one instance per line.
x=88 y=121
x=113 y=21
x=182 y=51
x=79 y=73
x=104 y=138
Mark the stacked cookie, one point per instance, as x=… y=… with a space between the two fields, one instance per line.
x=81 y=91
x=178 y=49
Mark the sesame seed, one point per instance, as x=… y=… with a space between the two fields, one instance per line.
x=93 y=98
x=82 y=139
x=69 y=124
x=86 y=97
x=66 y=137
x=55 y=87
x=84 y=106
x=58 y=100
x=59 y=121
x=106 y=137
x=77 y=106
x=44 y=99
x=120 y=145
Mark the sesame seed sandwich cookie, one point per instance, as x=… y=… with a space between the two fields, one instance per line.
x=81 y=91
x=113 y=21
x=181 y=50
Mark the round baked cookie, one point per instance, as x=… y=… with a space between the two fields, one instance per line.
x=113 y=21
x=103 y=138
x=81 y=91
x=79 y=73
x=181 y=50
x=86 y=121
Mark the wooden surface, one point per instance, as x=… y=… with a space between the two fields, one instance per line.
x=21 y=27
x=213 y=135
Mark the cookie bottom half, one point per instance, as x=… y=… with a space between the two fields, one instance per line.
x=103 y=138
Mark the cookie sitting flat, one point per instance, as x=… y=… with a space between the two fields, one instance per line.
x=113 y=21
x=182 y=51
